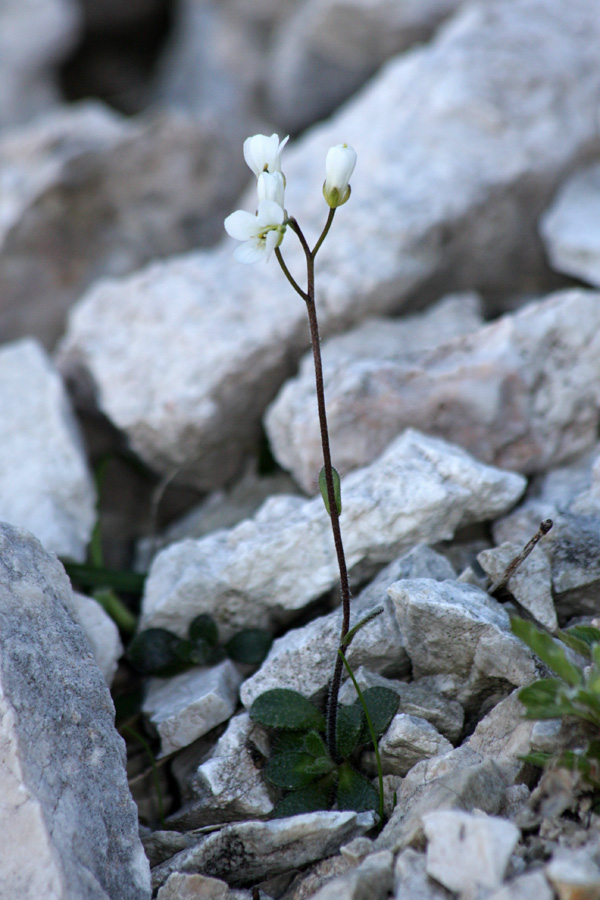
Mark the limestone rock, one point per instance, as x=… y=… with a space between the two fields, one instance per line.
x=68 y=822
x=411 y=879
x=530 y=886
x=408 y=740
x=574 y=875
x=329 y=48
x=185 y=707
x=531 y=584
x=499 y=391
x=45 y=485
x=373 y=877
x=504 y=732
x=30 y=56
x=457 y=628
x=484 y=140
x=467 y=851
x=101 y=632
x=570 y=227
x=271 y=566
x=198 y=887
x=246 y=852
x=87 y=193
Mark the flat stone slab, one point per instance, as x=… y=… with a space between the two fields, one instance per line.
x=68 y=822
x=267 y=568
x=45 y=484
x=460 y=143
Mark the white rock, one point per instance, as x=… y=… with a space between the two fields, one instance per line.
x=467 y=851
x=571 y=227
x=372 y=878
x=247 y=852
x=268 y=567
x=499 y=391
x=504 y=732
x=531 y=584
x=460 y=143
x=30 y=56
x=101 y=632
x=189 y=705
x=450 y=627
x=45 y=485
x=194 y=887
x=408 y=740
x=68 y=822
x=412 y=881
x=530 y=886
x=329 y=48
x=574 y=874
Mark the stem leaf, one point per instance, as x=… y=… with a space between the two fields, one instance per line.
x=337 y=490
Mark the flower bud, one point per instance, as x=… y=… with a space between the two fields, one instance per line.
x=339 y=166
x=263 y=154
x=270 y=186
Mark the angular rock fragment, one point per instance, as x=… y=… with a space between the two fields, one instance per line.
x=185 y=707
x=246 y=852
x=408 y=740
x=531 y=584
x=373 y=877
x=45 y=485
x=530 y=886
x=570 y=228
x=267 y=568
x=462 y=144
x=574 y=874
x=411 y=878
x=520 y=392
x=101 y=632
x=68 y=822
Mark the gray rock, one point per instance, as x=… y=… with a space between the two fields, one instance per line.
x=504 y=732
x=246 y=852
x=271 y=566
x=570 y=228
x=450 y=627
x=88 y=193
x=573 y=874
x=483 y=145
x=68 y=822
x=530 y=886
x=408 y=740
x=372 y=878
x=499 y=391
x=411 y=881
x=101 y=632
x=422 y=698
x=189 y=705
x=531 y=584
x=198 y=887
x=29 y=57
x=465 y=852
x=45 y=485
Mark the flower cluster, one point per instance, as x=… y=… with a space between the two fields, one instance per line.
x=262 y=232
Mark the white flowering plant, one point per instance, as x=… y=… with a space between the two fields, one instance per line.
x=314 y=770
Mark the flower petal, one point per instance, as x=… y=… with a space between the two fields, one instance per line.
x=269 y=213
x=272 y=240
x=241 y=225
x=250 y=252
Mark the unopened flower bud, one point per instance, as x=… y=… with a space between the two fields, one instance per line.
x=339 y=166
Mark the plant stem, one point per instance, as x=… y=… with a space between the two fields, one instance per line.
x=309 y=299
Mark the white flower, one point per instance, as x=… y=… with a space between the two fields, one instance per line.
x=270 y=186
x=260 y=233
x=339 y=166
x=263 y=154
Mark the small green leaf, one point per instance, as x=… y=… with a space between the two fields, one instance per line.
x=586 y=633
x=311 y=798
x=203 y=654
x=350 y=721
x=536 y=758
x=204 y=628
x=354 y=791
x=548 y=650
x=543 y=699
x=286 y=709
x=249 y=646
x=382 y=704
x=314 y=744
x=291 y=770
x=337 y=490
x=159 y=652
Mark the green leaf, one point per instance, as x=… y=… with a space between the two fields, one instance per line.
x=337 y=490
x=91 y=576
x=314 y=744
x=203 y=654
x=586 y=633
x=311 y=798
x=291 y=770
x=350 y=721
x=159 y=652
x=548 y=650
x=590 y=700
x=286 y=709
x=536 y=758
x=204 y=628
x=354 y=791
x=543 y=699
x=249 y=646
x=382 y=704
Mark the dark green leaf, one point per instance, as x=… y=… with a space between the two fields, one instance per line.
x=350 y=720
x=543 y=699
x=204 y=628
x=576 y=643
x=249 y=646
x=337 y=490
x=310 y=742
x=589 y=700
x=203 y=654
x=159 y=652
x=586 y=633
x=354 y=791
x=286 y=709
x=536 y=758
x=92 y=576
x=314 y=744
x=548 y=650
x=382 y=704
x=291 y=770
x=311 y=798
